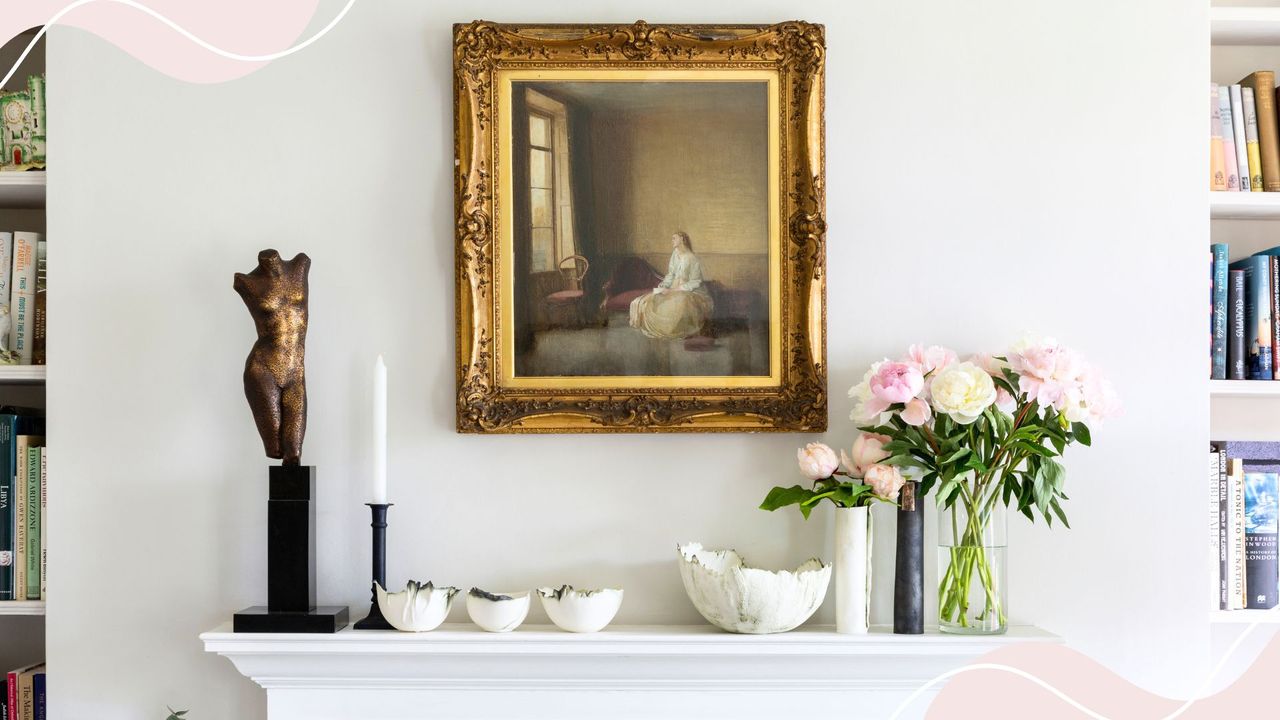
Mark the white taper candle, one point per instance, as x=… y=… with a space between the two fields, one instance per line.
x=380 y=432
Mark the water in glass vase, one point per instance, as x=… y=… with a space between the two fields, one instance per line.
x=972 y=588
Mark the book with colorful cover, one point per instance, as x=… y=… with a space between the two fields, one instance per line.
x=1263 y=83
x=1251 y=139
x=39 y=353
x=44 y=524
x=1235 y=535
x=1219 y=311
x=22 y=294
x=34 y=520
x=1261 y=508
x=1228 y=139
x=20 y=518
x=11 y=688
x=1217 y=150
x=1242 y=143
x=13 y=421
x=1257 y=283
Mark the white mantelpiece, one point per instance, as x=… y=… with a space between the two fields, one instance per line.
x=538 y=671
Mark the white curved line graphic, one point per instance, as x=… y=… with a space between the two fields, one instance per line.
x=1199 y=695
x=178 y=29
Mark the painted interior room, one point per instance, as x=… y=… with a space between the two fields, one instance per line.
x=396 y=359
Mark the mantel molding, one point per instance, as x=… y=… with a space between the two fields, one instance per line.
x=460 y=657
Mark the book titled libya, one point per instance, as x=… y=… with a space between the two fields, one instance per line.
x=1263 y=83
x=1261 y=561
x=34 y=520
x=1257 y=288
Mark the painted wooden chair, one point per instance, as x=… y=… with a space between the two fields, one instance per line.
x=574 y=268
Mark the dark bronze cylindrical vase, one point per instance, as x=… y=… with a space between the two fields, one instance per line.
x=908 y=580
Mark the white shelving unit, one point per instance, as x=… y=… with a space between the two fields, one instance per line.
x=1244 y=39
x=23 y=607
x=22 y=189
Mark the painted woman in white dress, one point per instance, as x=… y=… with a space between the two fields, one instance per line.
x=680 y=305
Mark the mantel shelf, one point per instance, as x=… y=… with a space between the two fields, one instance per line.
x=22 y=189
x=462 y=657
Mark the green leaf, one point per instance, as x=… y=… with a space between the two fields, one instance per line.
x=955 y=456
x=1057 y=510
x=818 y=497
x=1081 y=433
x=782 y=497
x=1055 y=474
x=1035 y=448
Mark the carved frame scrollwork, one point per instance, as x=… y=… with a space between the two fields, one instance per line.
x=798 y=403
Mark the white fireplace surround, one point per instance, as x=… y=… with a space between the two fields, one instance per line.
x=459 y=671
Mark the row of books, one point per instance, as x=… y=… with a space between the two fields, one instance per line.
x=23 y=501
x=24 y=694
x=23 y=297
x=1244 y=141
x=1244 y=502
x=1244 y=301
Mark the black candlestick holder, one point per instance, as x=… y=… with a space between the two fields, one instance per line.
x=374 y=620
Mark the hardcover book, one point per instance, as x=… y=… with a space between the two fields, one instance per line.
x=1217 y=159
x=1251 y=140
x=20 y=520
x=1237 y=130
x=13 y=421
x=1219 y=311
x=1261 y=562
x=38 y=683
x=1236 y=536
x=39 y=355
x=1237 y=358
x=1263 y=83
x=44 y=525
x=1257 y=283
x=1215 y=543
x=11 y=689
x=22 y=294
x=1224 y=499
x=1228 y=139
x=6 y=269
x=34 y=520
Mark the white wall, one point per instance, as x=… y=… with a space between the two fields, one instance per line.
x=992 y=167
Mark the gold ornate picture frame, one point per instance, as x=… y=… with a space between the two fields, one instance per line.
x=585 y=155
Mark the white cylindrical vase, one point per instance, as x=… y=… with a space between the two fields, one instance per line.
x=853 y=570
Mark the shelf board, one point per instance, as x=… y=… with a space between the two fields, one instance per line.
x=21 y=607
x=1244 y=388
x=1245 y=617
x=23 y=374
x=1244 y=25
x=22 y=189
x=1244 y=205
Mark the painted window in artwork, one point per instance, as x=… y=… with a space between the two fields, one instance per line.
x=550 y=197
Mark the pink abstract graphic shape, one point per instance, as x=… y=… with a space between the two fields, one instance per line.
x=1001 y=695
x=248 y=27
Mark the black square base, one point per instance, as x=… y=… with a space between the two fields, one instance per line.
x=257 y=619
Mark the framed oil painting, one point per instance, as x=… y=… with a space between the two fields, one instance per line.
x=640 y=228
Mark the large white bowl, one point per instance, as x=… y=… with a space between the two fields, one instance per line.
x=580 y=611
x=750 y=600
x=417 y=608
x=497 y=612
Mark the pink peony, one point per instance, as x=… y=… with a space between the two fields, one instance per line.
x=929 y=359
x=897 y=382
x=916 y=412
x=817 y=461
x=989 y=364
x=885 y=481
x=868 y=449
x=1005 y=401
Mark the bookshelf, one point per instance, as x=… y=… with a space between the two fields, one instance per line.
x=23 y=199
x=1243 y=39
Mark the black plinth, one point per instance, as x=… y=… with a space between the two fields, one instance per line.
x=258 y=619
x=291 y=560
x=374 y=620
x=291 y=539
x=908 y=581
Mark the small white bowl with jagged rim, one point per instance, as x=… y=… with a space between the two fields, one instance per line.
x=418 y=608
x=753 y=601
x=497 y=612
x=580 y=611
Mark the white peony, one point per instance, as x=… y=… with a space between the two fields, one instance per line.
x=963 y=391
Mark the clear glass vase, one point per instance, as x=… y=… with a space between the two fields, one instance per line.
x=972 y=587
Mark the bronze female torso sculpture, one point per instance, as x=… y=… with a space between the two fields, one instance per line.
x=275 y=380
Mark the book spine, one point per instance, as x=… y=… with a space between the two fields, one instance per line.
x=1236 y=357
x=1214 y=529
x=1224 y=497
x=20 y=520
x=22 y=294
x=1273 y=285
x=1217 y=159
x=1242 y=143
x=1219 y=369
x=39 y=355
x=26 y=696
x=1263 y=83
x=11 y=692
x=1251 y=139
x=1257 y=281
x=44 y=525
x=1228 y=139
x=38 y=687
x=1236 y=537
x=1262 y=563
x=6 y=269
x=32 y=486
x=8 y=514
